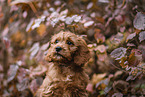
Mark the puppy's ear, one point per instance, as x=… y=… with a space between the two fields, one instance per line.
x=82 y=55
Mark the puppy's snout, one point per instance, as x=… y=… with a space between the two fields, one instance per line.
x=58 y=49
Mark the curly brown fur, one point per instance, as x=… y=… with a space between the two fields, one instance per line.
x=65 y=77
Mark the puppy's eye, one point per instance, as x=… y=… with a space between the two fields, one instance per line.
x=69 y=43
x=56 y=41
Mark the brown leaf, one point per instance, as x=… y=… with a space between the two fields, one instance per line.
x=23 y=85
x=89 y=87
x=133 y=61
x=100 y=38
x=101 y=48
x=41 y=29
x=88 y=23
x=118 y=53
x=102 y=57
x=139 y=21
x=117 y=95
x=6 y=42
x=34 y=50
x=38 y=71
x=20 y=1
x=120 y=86
x=22 y=74
x=142 y=36
x=98 y=77
x=35 y=84
x=131 y=36
x=12 y=72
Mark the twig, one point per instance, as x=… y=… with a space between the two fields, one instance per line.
x=117 y=67
x=33 y=8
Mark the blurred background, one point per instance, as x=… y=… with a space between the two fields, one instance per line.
x=113 y=30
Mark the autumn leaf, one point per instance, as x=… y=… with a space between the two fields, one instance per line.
x=133 y=61
x=142 y=36
x=89 y=87
x=38 y=22
x=23 y=85
x=118 y=53
x=117 y=95
x=12 y=72
x=90 y=5
x=131 y=36
x=20 y=1
x=139 y=21
x=41 y=29
x=34 y=50
x=98 y=77
x=101 y=48
x=6 y=42
x=35 y=84
x=89 y=23
x=120 y=86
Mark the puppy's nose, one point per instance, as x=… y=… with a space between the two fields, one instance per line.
x=58 y=48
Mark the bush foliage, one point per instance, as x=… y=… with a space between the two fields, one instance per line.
x=113 y=29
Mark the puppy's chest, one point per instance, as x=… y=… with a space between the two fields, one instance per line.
x=60 y=75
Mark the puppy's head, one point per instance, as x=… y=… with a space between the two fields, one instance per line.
x=66 y=47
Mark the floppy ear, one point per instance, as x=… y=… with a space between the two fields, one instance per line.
x=82 y=55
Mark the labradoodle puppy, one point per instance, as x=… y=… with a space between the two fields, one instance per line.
x=65 y=77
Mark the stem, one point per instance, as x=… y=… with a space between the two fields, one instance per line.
x=5 y=61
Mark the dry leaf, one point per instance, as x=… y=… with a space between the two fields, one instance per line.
x=41 y=29
x=98 y=77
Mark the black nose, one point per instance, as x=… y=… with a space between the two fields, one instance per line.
x=58 y=48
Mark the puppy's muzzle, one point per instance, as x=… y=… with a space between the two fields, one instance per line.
x=58 y=49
